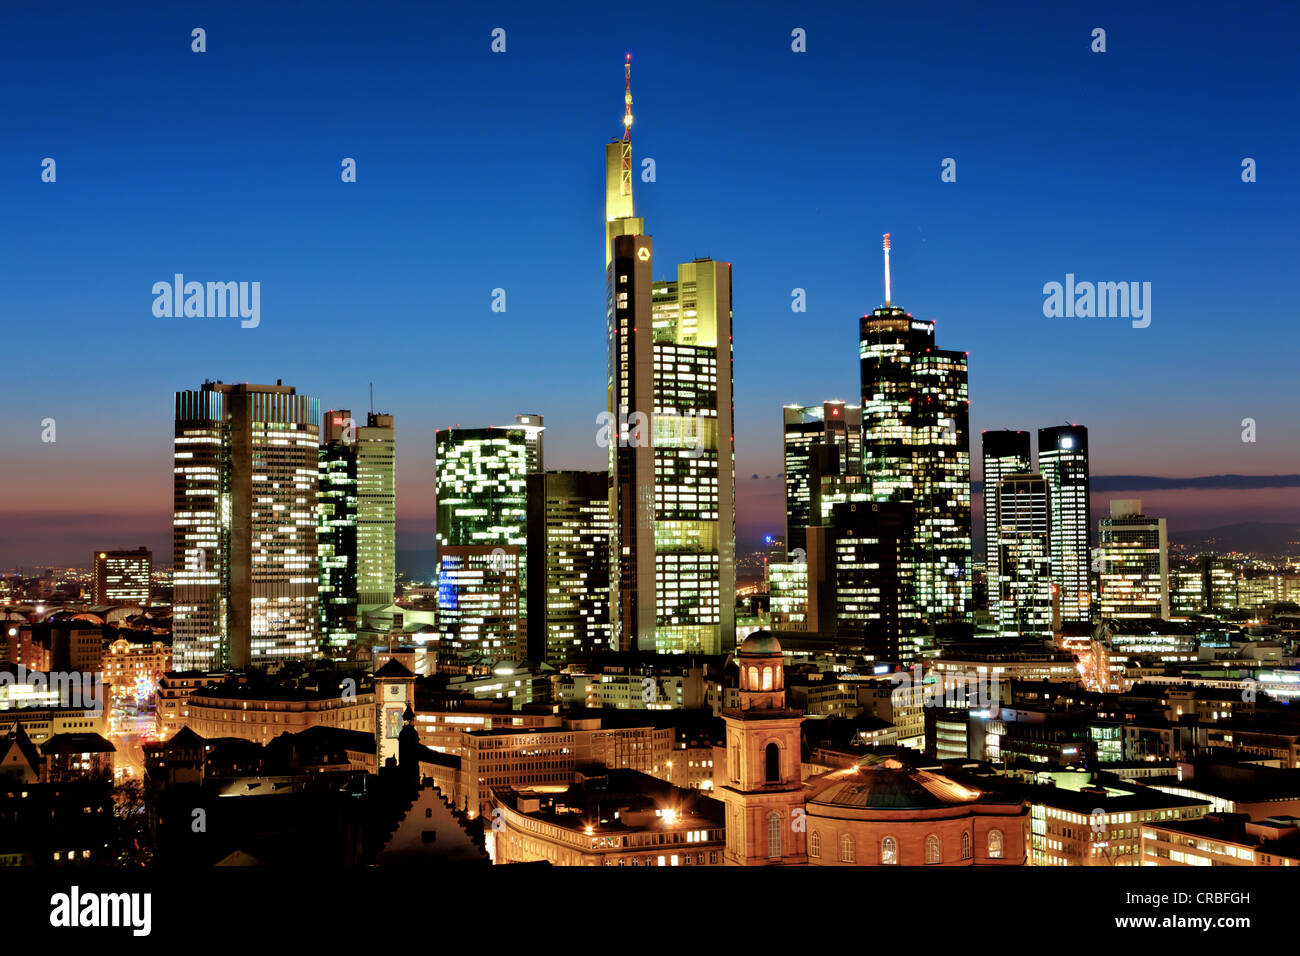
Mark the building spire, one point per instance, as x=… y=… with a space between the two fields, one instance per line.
x=627 y=100
x=886 y=270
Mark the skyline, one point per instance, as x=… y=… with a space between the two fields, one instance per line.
x=421 y=200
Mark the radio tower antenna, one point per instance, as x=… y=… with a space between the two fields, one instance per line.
x=626 y=185
x=886 y=270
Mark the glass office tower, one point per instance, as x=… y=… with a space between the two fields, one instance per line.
x=805 y=427
x=245 y=479
x=916 y=449
x=482 y=507
x=568 y=555
x=1004 y=453
x=1134 y=579
x=1024 y=581
x=671 y=453
x=1063 y=462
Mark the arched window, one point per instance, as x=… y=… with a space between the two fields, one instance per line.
x=753 y=678
x=774 y=836
x=965 y=844
x=848 y=852
x=773 y=760
x=889 y=852
x=995 y=844
x=815 y=845
x=767 y=678
x=932 y=849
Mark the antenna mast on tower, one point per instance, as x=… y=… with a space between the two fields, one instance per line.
x=886 y=270
x=626 y=185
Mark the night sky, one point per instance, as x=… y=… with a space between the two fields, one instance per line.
x=479 y=171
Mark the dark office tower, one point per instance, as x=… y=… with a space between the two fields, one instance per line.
x=1004 y=453
x=1063 y=462
x=916 y=448
x=832 y=423
x=872 y=555
x=533 y=427
x=123 y=577
x=336 y=532
x=482 y=505
x=568 y=556
x=1024 y=581
x=669 y=435
x=245 y=571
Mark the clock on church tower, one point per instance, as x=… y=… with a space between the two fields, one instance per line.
x=394 y=693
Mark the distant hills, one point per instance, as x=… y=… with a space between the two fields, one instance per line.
x=1153 y=483
x=1258 y=537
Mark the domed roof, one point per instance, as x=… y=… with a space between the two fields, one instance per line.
x=760 y=642
x=889 y=784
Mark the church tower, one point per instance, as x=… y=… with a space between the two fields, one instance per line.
x=394 y=696
x=762 y=787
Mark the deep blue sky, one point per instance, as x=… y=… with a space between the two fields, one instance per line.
x=479 y=170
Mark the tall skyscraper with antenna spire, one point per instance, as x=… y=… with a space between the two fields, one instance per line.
x=671 y=442
x=916 y=448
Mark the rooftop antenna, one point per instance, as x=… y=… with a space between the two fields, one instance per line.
x=625 y=186
x=886 y=270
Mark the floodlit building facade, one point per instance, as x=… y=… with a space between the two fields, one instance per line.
x=669 y=434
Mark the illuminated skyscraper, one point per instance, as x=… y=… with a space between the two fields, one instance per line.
x=376 y=512
x=568 y=555
x=1134 y=580
x=122 y=577
x=1063 y=462
x=534 y=426
x=671 y=454
x=355 y=537
x=830 y=423
x=916 y=448
x=1024 y=581
x=1004 y=453
x=244 y=520
x=482 y=539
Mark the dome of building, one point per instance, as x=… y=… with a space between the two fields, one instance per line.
x=890 y=784
x=760 y=642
